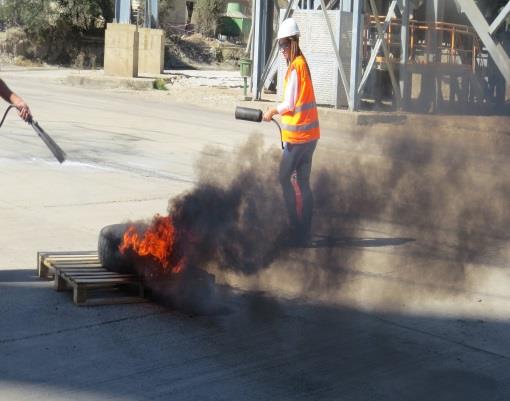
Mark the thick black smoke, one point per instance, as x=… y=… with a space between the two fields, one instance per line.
x=438 y=207
x=430 y=189
x=234 y=216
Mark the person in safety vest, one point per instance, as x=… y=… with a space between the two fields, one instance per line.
x=10 y=97
x=300 y=133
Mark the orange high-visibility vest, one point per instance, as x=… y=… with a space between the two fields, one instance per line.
x=302 y=124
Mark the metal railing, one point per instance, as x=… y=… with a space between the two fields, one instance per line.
x=429 y=43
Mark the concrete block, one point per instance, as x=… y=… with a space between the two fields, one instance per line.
x=121 y=50
x=151 y=56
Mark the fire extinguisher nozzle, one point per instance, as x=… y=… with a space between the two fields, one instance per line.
x=248 y=114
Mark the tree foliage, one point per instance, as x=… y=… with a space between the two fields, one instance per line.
x=207 y=14
x=31 y=15
x=83 y=14
x=37 y=15
x=58 y=26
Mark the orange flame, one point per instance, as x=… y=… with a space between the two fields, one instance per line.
x=157 y=241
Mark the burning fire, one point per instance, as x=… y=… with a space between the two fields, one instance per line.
x=157 y=241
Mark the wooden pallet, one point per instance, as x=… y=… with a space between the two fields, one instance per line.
x=83 y=273
x=47 y=261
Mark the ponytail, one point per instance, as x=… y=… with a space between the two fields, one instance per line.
x=295 y=51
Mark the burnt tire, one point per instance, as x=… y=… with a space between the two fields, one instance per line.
x=110 y=238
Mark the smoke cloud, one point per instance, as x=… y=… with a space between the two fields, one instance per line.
x=427 y=200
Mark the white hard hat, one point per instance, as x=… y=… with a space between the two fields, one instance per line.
x=288 y=28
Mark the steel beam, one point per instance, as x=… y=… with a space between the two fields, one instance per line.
x=269 y=66
x=123 y=11
x=345 y=5
x=259 y=36
x=117 y=11
x=289 y=9
x=394 y=83
x=151 y=14
x=439 y=7
x=404 y=56
x=273 y=55
x=356 y=40
x=337 y=53
x=378 y=43
x=154 y=8
x=147 y=14
x=499 y=19
x=331 y=4
x=259 y=45
x=434 y=11
x=496 y=51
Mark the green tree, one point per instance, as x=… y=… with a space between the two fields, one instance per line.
x=83 y=14
x=31 y=15
x=207 y=14
x=56 y=28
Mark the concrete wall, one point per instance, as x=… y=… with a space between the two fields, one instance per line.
x=121 y=50
x=151 y=54
x=129 y=51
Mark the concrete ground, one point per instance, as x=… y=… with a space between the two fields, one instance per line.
x=413 y=306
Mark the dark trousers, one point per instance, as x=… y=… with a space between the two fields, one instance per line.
x=298 y=158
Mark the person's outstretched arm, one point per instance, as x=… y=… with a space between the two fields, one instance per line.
x=10 y=97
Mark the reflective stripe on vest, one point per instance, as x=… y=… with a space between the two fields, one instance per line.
x=306 y=106
x=302 y=124
x=300 y=128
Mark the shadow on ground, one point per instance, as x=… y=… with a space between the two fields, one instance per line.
x=260 y=348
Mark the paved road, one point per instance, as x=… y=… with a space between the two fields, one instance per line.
x=408 y=301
